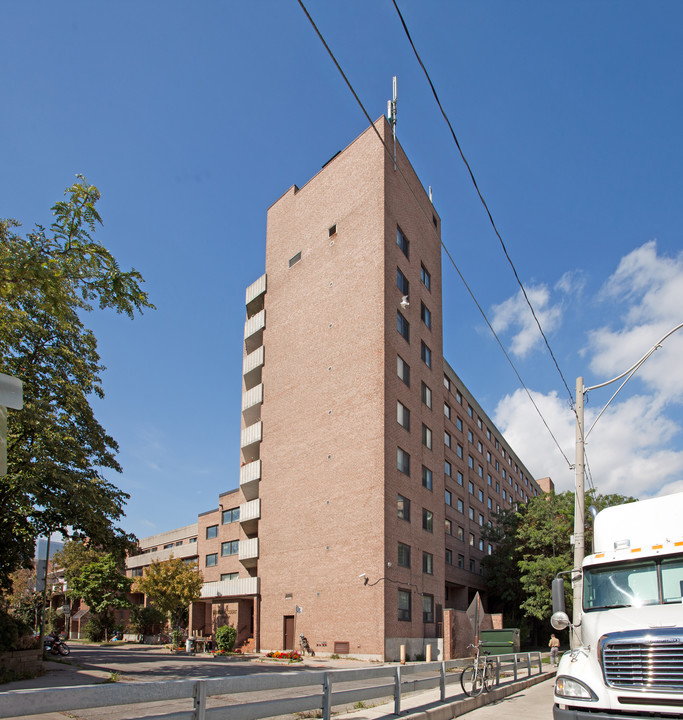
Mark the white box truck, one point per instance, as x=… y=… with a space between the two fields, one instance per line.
x=628 y=664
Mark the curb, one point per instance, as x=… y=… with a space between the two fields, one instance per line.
x=450 y=710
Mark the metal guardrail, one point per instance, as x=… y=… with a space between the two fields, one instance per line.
x=393 y=680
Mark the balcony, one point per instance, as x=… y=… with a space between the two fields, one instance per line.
x=253 y=331
x=251 y=404
x=252 y=368
x=184 y=551
x=250 y=475
x=255 y=296
x=250 y=513
x=231 y=588
x=248 y=552
x=251 y=441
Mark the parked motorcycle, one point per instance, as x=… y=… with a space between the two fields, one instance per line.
x=54 y=644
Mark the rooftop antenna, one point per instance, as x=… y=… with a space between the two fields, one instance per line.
x=391 y=113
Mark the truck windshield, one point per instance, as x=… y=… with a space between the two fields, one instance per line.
x=633 y=584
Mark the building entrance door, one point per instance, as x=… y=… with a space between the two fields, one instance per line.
x=288 y=632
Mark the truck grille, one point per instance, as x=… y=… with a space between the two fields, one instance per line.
x=644 y=661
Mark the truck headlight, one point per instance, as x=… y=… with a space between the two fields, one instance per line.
x=572 y=688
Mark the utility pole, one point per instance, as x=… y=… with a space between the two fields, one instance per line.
x=579 y=518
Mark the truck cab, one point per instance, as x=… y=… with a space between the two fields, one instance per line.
x=629 y=660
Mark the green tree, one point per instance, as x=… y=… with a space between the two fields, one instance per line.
x=103 y=587
x=73 y=557
x=171 y=585
x=532 y=546
x=56 y=448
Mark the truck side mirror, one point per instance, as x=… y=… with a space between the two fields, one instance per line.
x=558 y=595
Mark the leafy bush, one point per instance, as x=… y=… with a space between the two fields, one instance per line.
x=99 y=627
x=146 y=620
x=12 y=632
x=225 y=638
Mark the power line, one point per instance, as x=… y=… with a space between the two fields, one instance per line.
x=481 y=198
x=457 y=269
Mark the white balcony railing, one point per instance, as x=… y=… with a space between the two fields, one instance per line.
x=186 y=550
x=231 y=588
x=250 y=475
x=248 y=552
x=257 y=288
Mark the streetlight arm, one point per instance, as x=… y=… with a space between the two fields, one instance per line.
x=635 y=367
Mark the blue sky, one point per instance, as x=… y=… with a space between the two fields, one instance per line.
x=193 y=118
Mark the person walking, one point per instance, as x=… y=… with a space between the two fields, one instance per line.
x=554 y=646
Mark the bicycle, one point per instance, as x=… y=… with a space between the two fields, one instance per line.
x=478 y=677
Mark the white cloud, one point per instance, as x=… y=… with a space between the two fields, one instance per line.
x=648 y=289
x=514 y=314
x=626 y=451
x=633 y=448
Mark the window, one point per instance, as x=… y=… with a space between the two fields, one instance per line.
x=480 y=472
x=480 y=494
x=403 y=326
x=461 y=506
x=449 y=557
x=403 y=242
x=470 y=512
x=211 y=532
x=481 y=520
x=332 y=230
x=229 y=576
x=472 y=566
x=470 y=412
x=489 y=479
x=403 y=508
x=489 y=503
x=192 y=540
x=230 y=516
x=470 y=436
x=458 y=396
x=448 y=527
x=426 y=315
x=461 y=561
x=447 y=410
x=426 y=477
x=481 y=544
x=489 y=549
x=458 y=423
x=404 y=605
x=136 y=572
x=295 y=259
x=460 y=478
x=403 y=370
x=446 y=439
x=447 y=382
x=461 y=533
x=426 y=354
x=425 y=278
x=230 y=548
x=427 y=520
x=480 y=447
x=427 y=395
x=470 y=462
x=471 y=539
x=426 y=437
x=427 y=608
x=447 y=468
x=403 y=461
x=402 y=415
x=459 y=451
x=470 y=487
x=427 y=563
x=212 y=560
x=402 y=282
x=168 y=545
x=403 y=555
x=448 y=496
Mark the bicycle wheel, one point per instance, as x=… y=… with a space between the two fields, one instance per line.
x=489 y=678
x=471 y=681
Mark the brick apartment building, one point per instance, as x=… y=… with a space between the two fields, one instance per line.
x=368 y=469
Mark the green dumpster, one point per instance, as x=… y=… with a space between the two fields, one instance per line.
x=500 y=642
